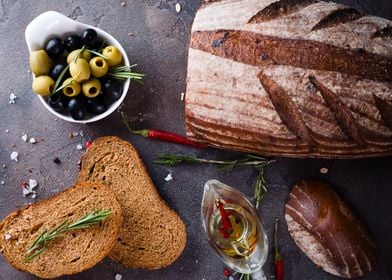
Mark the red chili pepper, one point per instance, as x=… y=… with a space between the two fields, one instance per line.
x=278 y=260
x=172 y=138
x=163 y=135
x=226 y=224
x=88 y=144
x=226 y=272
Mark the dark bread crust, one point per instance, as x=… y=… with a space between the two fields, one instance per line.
x=315 y=210
x=321 y=91
x=259 y=50
x=111 y=226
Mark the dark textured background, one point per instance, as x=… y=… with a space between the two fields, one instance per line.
x=158 y=43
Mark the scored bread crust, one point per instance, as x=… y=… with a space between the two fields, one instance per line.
x=299 y=78
x=152 y=235
x=14 y=242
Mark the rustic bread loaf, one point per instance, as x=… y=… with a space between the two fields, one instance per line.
x=152 y=235
x=73 y=251
x=326 y=230
x=290 y=78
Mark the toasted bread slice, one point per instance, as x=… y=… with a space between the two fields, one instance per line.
x=152 y=235
x=73 y=251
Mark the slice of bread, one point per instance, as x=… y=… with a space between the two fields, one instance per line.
x=73 y=251
x=152 y=235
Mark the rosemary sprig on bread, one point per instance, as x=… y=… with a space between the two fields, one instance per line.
x=40 y=243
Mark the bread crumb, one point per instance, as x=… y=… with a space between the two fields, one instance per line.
x=169 y=177
x=178 y=7
x=32 y=140
x=323 y=170
x=14 y=156
x=79 y=147
x=118 y=276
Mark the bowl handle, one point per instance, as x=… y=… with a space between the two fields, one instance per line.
x=47 y=23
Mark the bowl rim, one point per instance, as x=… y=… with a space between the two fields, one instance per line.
x=46 y=30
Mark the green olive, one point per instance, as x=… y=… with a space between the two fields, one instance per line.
x=91 y=88
x=72 y=87
x=86 y=55
x=43 y=85
x=79 y=70
x=98 y=66
x=40 y=63
x=113 y=54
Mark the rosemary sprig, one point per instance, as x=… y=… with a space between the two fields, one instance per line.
x=97 y=54
x=59 y=79
x=172 y=160
x=125 y=72
x=79 y=52
x=40 y=243
x=258 y=162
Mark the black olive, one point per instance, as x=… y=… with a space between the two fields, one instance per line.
x=72 y=42
x=76 y=108
x=57 y=70
x=57 y=101
x=96 y=105
x=112 y=88
x=54 y=47
x=90 y=38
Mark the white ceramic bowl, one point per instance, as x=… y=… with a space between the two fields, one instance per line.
x=49 y=24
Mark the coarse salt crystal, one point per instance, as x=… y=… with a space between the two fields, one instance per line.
x=34 y=195
x=79 y=147
x=118 y=276
x=24 y=137
x=74 y=133
x=81 y=133
x=123 y=3
x=14 y=156
x=12 y=98
x=182 y=96
x=178 y=7
x=7 y=130
x=7 y=236
x=33 y=184
x=169 y=177
x=32 y=140
x=323 y=170
x=2 y=182
x=25 y=191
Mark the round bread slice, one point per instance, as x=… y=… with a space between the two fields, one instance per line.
x=152 y=235
x=73 y=251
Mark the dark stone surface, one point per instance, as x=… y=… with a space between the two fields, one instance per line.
x=158 y=43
